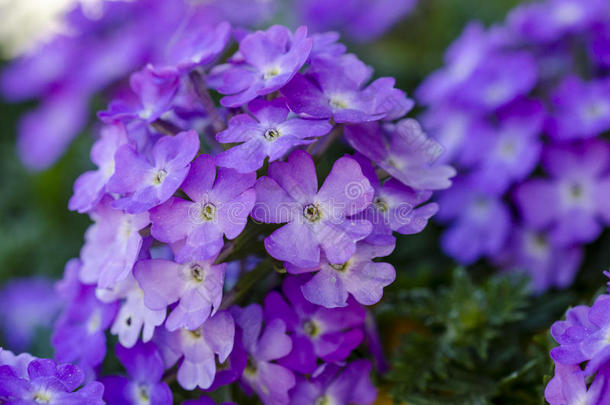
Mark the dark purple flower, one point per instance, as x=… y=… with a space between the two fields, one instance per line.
x=48 y=383
x=316 y=219
x=144 y=366
x=220 y=204
x=316 y=332
x=198 y=349
x=337 y=386
x=90 y=187
x=404 y=152
x=267 y=132
x=270 y=381
x=149 y=183
x=112 y=244
x=270 y=59
x=195 y=286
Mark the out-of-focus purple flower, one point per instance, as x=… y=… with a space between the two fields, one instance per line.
x=334 y=88
x=112 y=244
x=196 y=286
x=359 y=276
x=316 y=219
x=404 y=152
x=580 y=109
x=548 y=264
x=153 y=93
x=220 y=204
x=198 y=349
x=333 y=385
x=90 y=187
x=549 y=20
x=316 y=332
x=196 y=45
x=204 y=401
x=572 y=202
x=133 y=317
x=84 y=319
x=150 y=183
x=26 y=305
x=144 y=366
x=270 y=59
x=360 y=20
x=270 y=381
x=267 y=132
x=46 y=382
x=480 y=222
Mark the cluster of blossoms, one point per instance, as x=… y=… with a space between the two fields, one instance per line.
x=27 y=380
x=582 y=359
x=97 y=53
x=521 y=109
x=194 y=200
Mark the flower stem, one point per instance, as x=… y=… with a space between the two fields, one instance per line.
x=208 y=104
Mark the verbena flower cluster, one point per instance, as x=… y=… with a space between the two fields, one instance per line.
x=521 y=109
x=207 y=181
x=582 y=359
x=97 y=53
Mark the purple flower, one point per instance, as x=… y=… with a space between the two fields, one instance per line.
x=145 y=367
x=350 y=385
x=548 y=264
x=221 y=203
x=270 y=381
x=334 y=88
x=90 y=187
x=153 y=94
x=198 y=349
x=150 y=183
x=49 y=383
x=133 y=317
x=112 y=244
x=196 y=286
x=270 y=59
x=501 y=156
x=316 y=219
x=569 y=387
x=405 y=153
x=395 y=207
x=549 y=20
x=316 y=332
x=84 y=319
x=267 y=132
x=26 y=304
x=197 y=44
x=581 y=110
x=480 y=222
x=360 y=20
x=572 y=202
x=358 y=276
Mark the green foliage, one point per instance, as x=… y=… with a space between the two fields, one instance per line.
x=469 y=344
